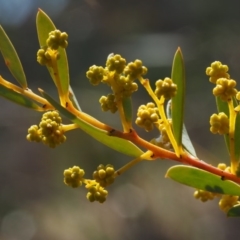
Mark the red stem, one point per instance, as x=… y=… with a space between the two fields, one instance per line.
x=165 y=154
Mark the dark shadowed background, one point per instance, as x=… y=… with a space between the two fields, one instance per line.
x=142 y=204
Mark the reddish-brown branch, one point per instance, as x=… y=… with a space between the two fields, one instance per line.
x=165 y=154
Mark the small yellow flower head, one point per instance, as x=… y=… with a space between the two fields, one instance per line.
x=96 y=192
x=50 y=130
x=204 y=195
x=43 y=57
x=147 y=115
x=73 y=177
x=95 y=74
x=57 y=39
x=135 y=70
x=222 y=166
x=219 y=123
x=108 y=103
x=216 y=71
x=116 y=63
x=34 y=135
x=228 y=202
x=52 y=115
x=105 y=175
x=52 y=133
x=126 y=86
x=225 y=89
x=165 y=88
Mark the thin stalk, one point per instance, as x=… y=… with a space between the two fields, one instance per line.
x=28 y=93
x=160 y=105
x=127 y=166
x=125 y=124
x=69 y=127
x=232 y=122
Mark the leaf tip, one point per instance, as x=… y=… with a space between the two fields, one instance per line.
x=179 y=51
x=167 y=173
x=40 y=90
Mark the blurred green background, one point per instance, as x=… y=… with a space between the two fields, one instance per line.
x=142 y=204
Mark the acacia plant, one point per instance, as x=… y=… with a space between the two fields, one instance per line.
x=165 y=113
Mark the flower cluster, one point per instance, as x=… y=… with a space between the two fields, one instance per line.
x=95 y=74
x=217 y=70
x=147 y=116
x=115 y=63
x=204 y=195
x=104 y=175
x=57 y=39
x=73 y=177
x=50 y=130
x=219 y=123
x=165 y=88
x=135 y=69
x=227 y=202
x=47 y=53
x=44 y=58
x=224 y=167
x=225 y=89
x=124 y=86
x=108 y=103
x=120 y=76
x=96 y=192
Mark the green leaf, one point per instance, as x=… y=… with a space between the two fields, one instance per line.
x=18 y=98
x=178 y=77
x=44 y=27
x=200 y=179
x=11 y=59
x=127 y=108
x=234 y=211
x=118 y=144
x=186 y=141
x=222 y=106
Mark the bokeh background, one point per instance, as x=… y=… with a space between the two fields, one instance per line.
x=142 y=203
